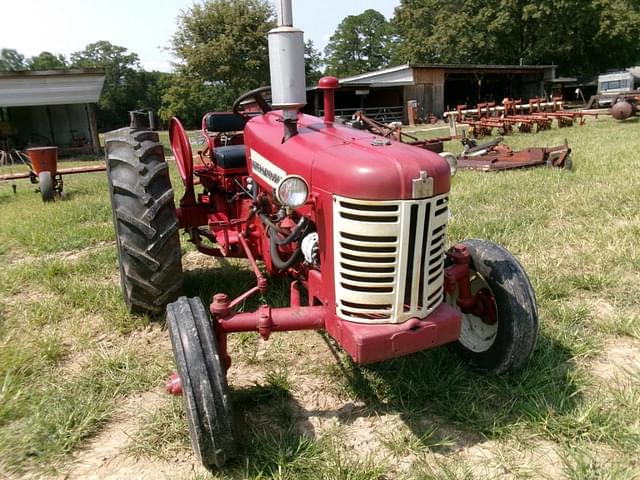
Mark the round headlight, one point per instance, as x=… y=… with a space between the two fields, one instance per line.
x=292 y=191
x=452 y=160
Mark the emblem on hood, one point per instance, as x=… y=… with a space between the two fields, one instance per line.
x=423 y=185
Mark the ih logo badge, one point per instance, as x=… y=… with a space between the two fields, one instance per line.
x=423 y=185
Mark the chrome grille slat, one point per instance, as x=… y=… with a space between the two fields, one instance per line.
x=388 y=258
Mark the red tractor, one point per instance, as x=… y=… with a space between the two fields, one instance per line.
x=357 y=221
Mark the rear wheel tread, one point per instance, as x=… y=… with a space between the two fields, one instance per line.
x=145 y=220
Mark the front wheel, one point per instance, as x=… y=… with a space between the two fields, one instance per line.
x=45 y=182
x=204 y=381
x=506 y=342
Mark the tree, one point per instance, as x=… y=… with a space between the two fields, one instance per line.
x=11 y=60
x=47 y=61
x=361 y=43
x=580 y=37
x=123 y=87
x=225 y=42
x=189 y=98
x=312 y=63
x=221 y=51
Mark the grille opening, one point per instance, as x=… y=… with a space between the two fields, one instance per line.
x=370 y=208
x=435 y=269
x=356 y=268
x=413 y=227
x=423 y=251
x=442 y=201
x=360 y=248
x=368 y=289
x=433 y=277
x=365 y=316
x=366 y=306
x=436 y=231
x=366 y=259
x=436 y=260
x=354 y=278
x=435 y=250
x=436 y=300
x=366 y=238
x=437 y=239
x=441 y=211
x=366 y=218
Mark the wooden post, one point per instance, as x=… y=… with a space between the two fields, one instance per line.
x=53 y=135
x=93 y=128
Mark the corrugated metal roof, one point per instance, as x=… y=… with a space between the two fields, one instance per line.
x=55 y=87
x=403 y=74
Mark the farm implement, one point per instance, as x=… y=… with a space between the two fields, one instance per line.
x=42 y=163
x=357 y=222
x=495 y=155
x=535 y=116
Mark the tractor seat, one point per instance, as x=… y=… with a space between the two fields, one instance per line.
x=231 y=156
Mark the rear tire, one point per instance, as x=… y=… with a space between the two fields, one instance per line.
x=508 y=344
x=144 y=219
x=45 y=182
x=204 y=382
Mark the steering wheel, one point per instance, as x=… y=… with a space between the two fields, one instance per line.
x=256 y=94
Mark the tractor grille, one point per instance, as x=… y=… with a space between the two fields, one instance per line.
x=388 y=258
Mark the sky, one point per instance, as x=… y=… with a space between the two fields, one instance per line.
x=143 y=26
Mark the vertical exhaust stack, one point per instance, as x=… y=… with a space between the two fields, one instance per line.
x=286 y=63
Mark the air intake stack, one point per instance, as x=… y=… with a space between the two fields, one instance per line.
x=286 y=62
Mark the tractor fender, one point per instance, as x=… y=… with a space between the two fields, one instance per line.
x=181 y=148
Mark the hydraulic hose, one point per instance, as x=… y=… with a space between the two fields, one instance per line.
x=275 y=256
x=295 y=233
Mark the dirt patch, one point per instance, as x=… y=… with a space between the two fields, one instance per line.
x=197 y=260
x=105 y=458
x=72 y=255
x=509 y=460
x=619 y=358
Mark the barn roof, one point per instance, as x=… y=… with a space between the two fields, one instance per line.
x=50 y=87
x=403 y=74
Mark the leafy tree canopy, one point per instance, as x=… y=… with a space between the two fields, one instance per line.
x=580 y=37
x=189 y=98
x=312 y=63
x=225 y=42
x=11 y=60
x=126 y=86
x=47 y=61
x=361 y=43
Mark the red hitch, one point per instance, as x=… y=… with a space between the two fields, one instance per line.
x=458 y=277
x=174 y=385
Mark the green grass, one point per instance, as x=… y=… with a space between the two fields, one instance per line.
x=70 y=355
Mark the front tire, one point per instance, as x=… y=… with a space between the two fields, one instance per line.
x=144 y=219
x=507 y=344
x=204 y=382
x=45 y=183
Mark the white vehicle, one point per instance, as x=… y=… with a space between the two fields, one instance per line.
x=613 y=87
x=616 y=82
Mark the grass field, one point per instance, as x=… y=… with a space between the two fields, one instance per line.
x=81 y=380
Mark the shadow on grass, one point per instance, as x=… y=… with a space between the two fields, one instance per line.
x=438 y=397
x=227 y=277
x=444 y=404
x=270 y=440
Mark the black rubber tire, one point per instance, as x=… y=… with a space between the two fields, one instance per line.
x=144 y=219
x=517 y=329
x=204 y=382
x=45 y=183
x=568 y=163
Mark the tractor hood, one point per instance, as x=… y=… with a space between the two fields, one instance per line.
x=341 y=160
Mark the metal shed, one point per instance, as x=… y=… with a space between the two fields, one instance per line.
x=384 y=93
x=51 y=108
